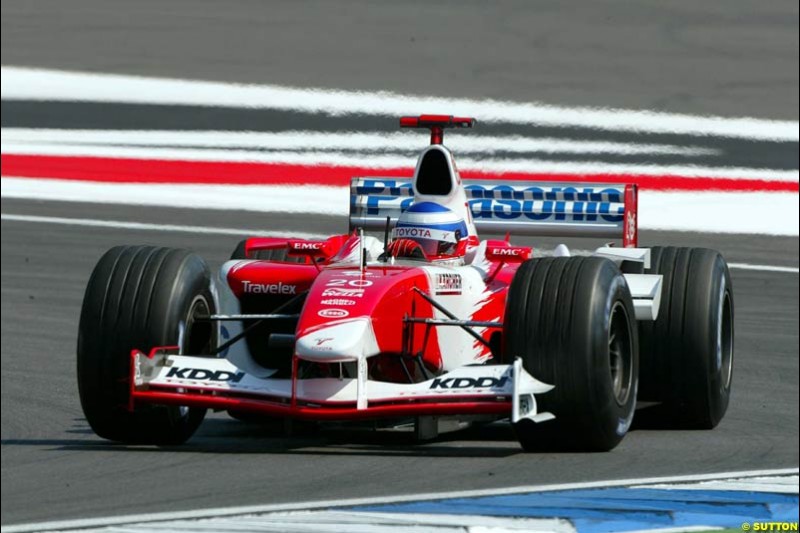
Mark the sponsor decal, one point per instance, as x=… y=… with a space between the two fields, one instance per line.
x=513 y=252
x=319 y=341
x=357 y=273
x=630 y=226
x=202 y=374
x=336 y=291
x=268 y=288
x=468 y=383
x=306 y=245
x=333 y=313
x=423 y=233
x=338 y=301
x=494 y=209
x=504 y=202
x=448 y=283
x=509 y=253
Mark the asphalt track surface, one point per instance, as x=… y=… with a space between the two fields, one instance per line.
x=54 y=467
x=734 y=59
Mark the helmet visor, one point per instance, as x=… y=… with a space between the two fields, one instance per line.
x=434 y=248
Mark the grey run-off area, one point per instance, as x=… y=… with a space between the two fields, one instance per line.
x=734 y=58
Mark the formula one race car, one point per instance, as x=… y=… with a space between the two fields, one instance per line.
x=426 y=323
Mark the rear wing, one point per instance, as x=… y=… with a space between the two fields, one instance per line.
x=522 y=207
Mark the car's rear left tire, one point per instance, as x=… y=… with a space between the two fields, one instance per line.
x=572 y=321
x=140 y=297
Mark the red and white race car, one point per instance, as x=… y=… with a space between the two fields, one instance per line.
x=424 y=323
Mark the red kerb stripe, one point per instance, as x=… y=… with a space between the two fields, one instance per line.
x=123 y=170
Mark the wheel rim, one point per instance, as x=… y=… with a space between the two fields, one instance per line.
x=725 y=339
x=620 y=353
x=195 y=336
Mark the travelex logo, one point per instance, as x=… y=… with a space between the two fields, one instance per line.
x=249 y=287
x=505 y=202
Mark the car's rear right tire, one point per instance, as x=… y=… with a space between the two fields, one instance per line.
x=257 y=339
x=687 y=352
x=572 y=321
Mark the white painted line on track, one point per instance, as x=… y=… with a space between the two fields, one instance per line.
x=142 y=226
x=768 y=213
x=311 y=199
x=781 y=485
x=20 y=83
x=254 y=509
x=14 y=139
x=764 y=268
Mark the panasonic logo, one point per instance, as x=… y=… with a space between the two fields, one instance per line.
x=268 y=288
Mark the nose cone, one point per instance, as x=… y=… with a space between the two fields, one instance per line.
x=347 y=340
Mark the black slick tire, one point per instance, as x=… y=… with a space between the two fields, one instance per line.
x=139 y=297
x=572 y=321
x=687 y=352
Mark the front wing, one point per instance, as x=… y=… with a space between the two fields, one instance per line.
x=163 y=377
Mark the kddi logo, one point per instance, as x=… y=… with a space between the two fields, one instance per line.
x=268 y=288
x=201 y=374
x=468 y=383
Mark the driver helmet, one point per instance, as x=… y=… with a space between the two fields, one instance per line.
x=440 y=233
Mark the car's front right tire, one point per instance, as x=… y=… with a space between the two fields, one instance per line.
x=140 y=297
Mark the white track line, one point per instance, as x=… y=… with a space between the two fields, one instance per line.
x=341 y=140
x=121 y=224
x=770 y=213
x=141 y=226
x=316 y=199
x=764 y=268
x=253 y=509
x=19 y=83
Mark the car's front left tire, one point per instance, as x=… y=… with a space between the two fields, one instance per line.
x=572 y=321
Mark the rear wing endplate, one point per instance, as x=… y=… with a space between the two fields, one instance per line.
x=522 y=207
